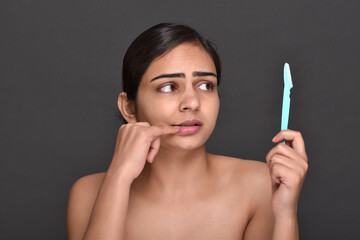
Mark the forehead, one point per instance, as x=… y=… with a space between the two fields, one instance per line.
x=185 y=58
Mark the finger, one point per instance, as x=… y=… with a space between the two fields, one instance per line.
x=280 y=159
x=279 y=173
x=156 y=131
x=296 y=139
x=154 y=148
x=282 y=149
x=164 y=129
x=142 y=123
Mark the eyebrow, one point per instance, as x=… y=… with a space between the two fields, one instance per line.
x=182 y=75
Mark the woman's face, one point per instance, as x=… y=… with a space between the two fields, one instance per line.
x=181 y=85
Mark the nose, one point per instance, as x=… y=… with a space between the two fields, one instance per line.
x=190 y=101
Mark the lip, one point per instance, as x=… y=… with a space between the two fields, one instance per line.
x=190 y=122
x=186 y=130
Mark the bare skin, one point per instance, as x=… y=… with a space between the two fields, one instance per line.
x=219 y=207
x=164 y=185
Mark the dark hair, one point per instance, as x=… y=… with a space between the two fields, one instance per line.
x=153 y=43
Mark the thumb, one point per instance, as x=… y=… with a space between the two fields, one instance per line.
x=154 y=148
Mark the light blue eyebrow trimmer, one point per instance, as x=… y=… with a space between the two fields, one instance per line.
x=286 y=98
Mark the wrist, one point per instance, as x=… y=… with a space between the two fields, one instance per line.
x=118 y=175
x=286 y=216
x=286 y=227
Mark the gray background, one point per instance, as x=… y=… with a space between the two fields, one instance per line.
x=61 y=74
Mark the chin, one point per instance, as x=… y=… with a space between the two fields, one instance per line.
x=186 y=144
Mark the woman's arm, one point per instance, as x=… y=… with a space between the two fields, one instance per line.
x=109 y=213
x=136 y=143
x=288 y=165
x=286 y=228
x=96 y=203
x=277 y=190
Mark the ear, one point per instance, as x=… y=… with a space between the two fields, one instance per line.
x=127 y=108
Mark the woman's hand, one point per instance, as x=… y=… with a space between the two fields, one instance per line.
x=288 y=164
x=137 y=143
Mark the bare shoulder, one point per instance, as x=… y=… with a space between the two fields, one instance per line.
x=249 y=183
x=250 y=176
x=90 y=182
x=82 y=197
x=241 y=168
x=87 y=186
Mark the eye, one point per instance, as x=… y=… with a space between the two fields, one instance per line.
x=208 y=86
x=168 y=88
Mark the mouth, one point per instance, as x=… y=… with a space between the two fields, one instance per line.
x=189 y=123
x=189 y=127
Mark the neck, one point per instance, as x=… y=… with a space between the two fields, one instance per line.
x=176 y=171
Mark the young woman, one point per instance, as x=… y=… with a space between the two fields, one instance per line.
x=162 y=183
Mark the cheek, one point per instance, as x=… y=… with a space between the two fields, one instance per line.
x=214 y=111
x=210 y=110
x=213 y=107
x=157 y=111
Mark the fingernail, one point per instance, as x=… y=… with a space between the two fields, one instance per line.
x=274 y=139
